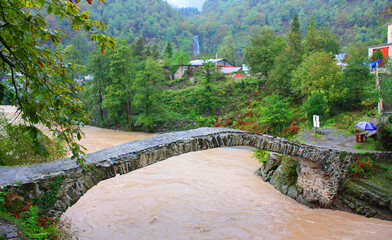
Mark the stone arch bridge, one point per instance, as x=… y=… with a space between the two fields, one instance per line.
x=325 y=168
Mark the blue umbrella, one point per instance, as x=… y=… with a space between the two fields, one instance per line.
x=365 y=125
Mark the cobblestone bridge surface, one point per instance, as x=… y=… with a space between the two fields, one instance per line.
x=321 y=171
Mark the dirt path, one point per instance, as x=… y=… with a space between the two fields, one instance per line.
x=331 y=138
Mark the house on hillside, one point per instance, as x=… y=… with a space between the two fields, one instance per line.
x=223 y=65
x=386 y=48
x=218 y=62
x=341 y=60
x=384 y=105
x=184 y=70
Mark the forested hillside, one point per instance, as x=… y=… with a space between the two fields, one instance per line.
x=351 y=21
x=225 y=26
x=155 y=20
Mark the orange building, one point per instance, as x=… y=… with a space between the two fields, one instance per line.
x=386 y=48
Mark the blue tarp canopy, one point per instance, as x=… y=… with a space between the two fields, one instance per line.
x=372 y=65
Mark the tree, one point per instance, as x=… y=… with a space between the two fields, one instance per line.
x=154 y=51
x=98 y=67
x=118 y=92
x=81 y=43
x=310 y=38
x=227 y=49
x=138 y=47
x=147 y=100
x=356 y=76
x=168 y=49
x=287 y=61
x=72 y=57
x=294 y=40
x=386 y=15
x=386 y=84
x=275 y=113
x=207 y=76
x=40 y=88
x=318 y=72
x=262 y=52
x=180 y=58
x=316 y=104
x=320 y=40
x=377 y=55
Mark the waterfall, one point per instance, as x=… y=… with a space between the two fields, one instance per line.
x=196 y=46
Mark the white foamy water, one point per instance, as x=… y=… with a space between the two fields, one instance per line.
x=211 y=194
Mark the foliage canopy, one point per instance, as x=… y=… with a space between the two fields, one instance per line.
x=36 y=75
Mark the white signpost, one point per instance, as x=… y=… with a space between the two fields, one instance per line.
x=316 y=121
x=316 y=124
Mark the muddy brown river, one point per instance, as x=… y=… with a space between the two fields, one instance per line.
x=211 y=194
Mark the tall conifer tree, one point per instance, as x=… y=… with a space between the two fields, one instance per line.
x=287 y=61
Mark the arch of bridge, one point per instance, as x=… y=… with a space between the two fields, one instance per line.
x=321 y=171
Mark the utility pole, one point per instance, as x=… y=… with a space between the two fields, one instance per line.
x=380 y=103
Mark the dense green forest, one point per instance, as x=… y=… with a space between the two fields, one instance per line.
x=351 y=21
x=225 y=24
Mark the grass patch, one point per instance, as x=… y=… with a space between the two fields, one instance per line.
x=378 y=173
x=301 y=141
x=316 y=135
x=315 y=142
x=383 y=176
x=368 y=144
x=261 y=155
x=362 y=151
x=346 y=122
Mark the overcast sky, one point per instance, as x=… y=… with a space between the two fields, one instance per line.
x=187 y=3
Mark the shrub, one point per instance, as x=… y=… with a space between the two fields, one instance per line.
x=377 y=55
x=316 y=104
x=275 y=113
x=384 y=136
x=361 y=168
x=289 y=169
x=21 y=144
x=31 y=223
x=261 y=155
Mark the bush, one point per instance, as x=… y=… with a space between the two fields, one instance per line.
x=28 y=218
x=316 y=104
x=261 y=155
x=289 y=169
x=275 y=114
x=384 y=136
x=21 y=144
x=362 y=168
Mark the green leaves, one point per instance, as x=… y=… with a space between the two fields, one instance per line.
x=318 y=72
x=275 y=113
x=41 y=84
x=147 y=101
x=262 y=52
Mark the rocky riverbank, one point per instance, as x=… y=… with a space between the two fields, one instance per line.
x=360 y=196
x=8 y=231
